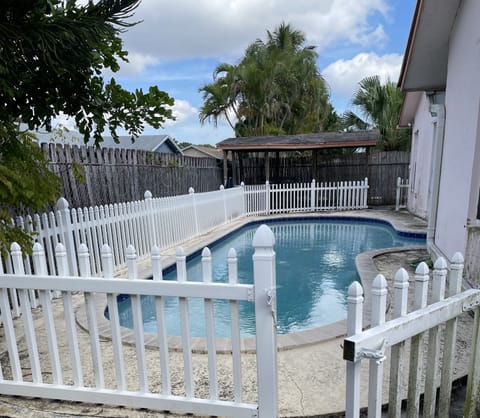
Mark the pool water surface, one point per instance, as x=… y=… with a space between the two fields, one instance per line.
x=315 y=261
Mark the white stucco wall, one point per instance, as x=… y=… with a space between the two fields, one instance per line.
x=420 y=161
x=462 y=100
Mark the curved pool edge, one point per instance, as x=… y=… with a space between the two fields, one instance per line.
x=365 y=268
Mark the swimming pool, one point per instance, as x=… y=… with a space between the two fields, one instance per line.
x=315 y=261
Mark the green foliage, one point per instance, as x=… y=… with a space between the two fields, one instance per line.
x=52 y=56
x=276 y=88
x=379 y=105
x=51 y=61
x=26 y=182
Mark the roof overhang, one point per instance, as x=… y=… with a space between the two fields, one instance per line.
x=321 y=140
x=424 y=66
x=411 y=99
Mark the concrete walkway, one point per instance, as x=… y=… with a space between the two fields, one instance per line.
x=311 y=372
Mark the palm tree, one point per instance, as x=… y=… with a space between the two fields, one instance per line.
x=379 y=105
x=275 y=89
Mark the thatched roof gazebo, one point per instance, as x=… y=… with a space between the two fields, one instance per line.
x=304 y=142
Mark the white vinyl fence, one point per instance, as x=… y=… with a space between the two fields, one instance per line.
x=58 y=371
x=306 y=197
x=425 y=324
x=168 y=221
x=164 y=222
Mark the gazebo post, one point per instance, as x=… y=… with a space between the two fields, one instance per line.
x=267 y=167
x=225 y=167
x=241 y=177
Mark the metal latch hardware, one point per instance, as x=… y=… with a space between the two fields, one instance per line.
x=271 y=294
x=378 y=355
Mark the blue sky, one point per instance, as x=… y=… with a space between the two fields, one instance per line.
x=179 y=43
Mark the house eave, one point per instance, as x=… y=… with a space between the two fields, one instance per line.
x=424 y=66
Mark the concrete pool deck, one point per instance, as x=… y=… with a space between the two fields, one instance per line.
x=311 y=373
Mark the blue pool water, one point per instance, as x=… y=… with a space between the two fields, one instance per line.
x=315 y=262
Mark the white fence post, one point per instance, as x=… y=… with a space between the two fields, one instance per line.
x=266 y=321
x=365 y=193
x=224 y=199
x=267 y=198
x=191 y=192
x=67 y=234
x=400 y=302
x=313 y=196
x=379 y=306
x=152 y=227
x=397 y=197
x=354 y=326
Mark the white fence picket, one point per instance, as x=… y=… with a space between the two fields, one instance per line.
x=454 y=288
x=379 y=306
x=26 y=312
x=433 y=354
x=235 y=328
x=161 y=323
x=416 y=346
x=137 y=322
x=354 y=326
x=185 y=325
x=9 y=331
x=210 y=326
x=39 y=264
x=70 y=324
x=85 y=271
x=400 y=302
x=114 y=319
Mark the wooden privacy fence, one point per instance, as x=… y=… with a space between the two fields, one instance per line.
x=59 y=370
x=425 y=324
x=380 y=167
x=99 y=176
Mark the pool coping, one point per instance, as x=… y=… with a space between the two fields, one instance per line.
x=364 y=264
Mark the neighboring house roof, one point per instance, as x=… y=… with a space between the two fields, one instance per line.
x=143 y=142
x=319 y=140
x=201 y=151
x=425 y=60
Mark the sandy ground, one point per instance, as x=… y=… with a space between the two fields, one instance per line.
x=311 y=378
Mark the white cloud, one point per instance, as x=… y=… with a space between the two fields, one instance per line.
x=206 y=28
x=343 y=75
x=136 y=63
x=183 y=111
